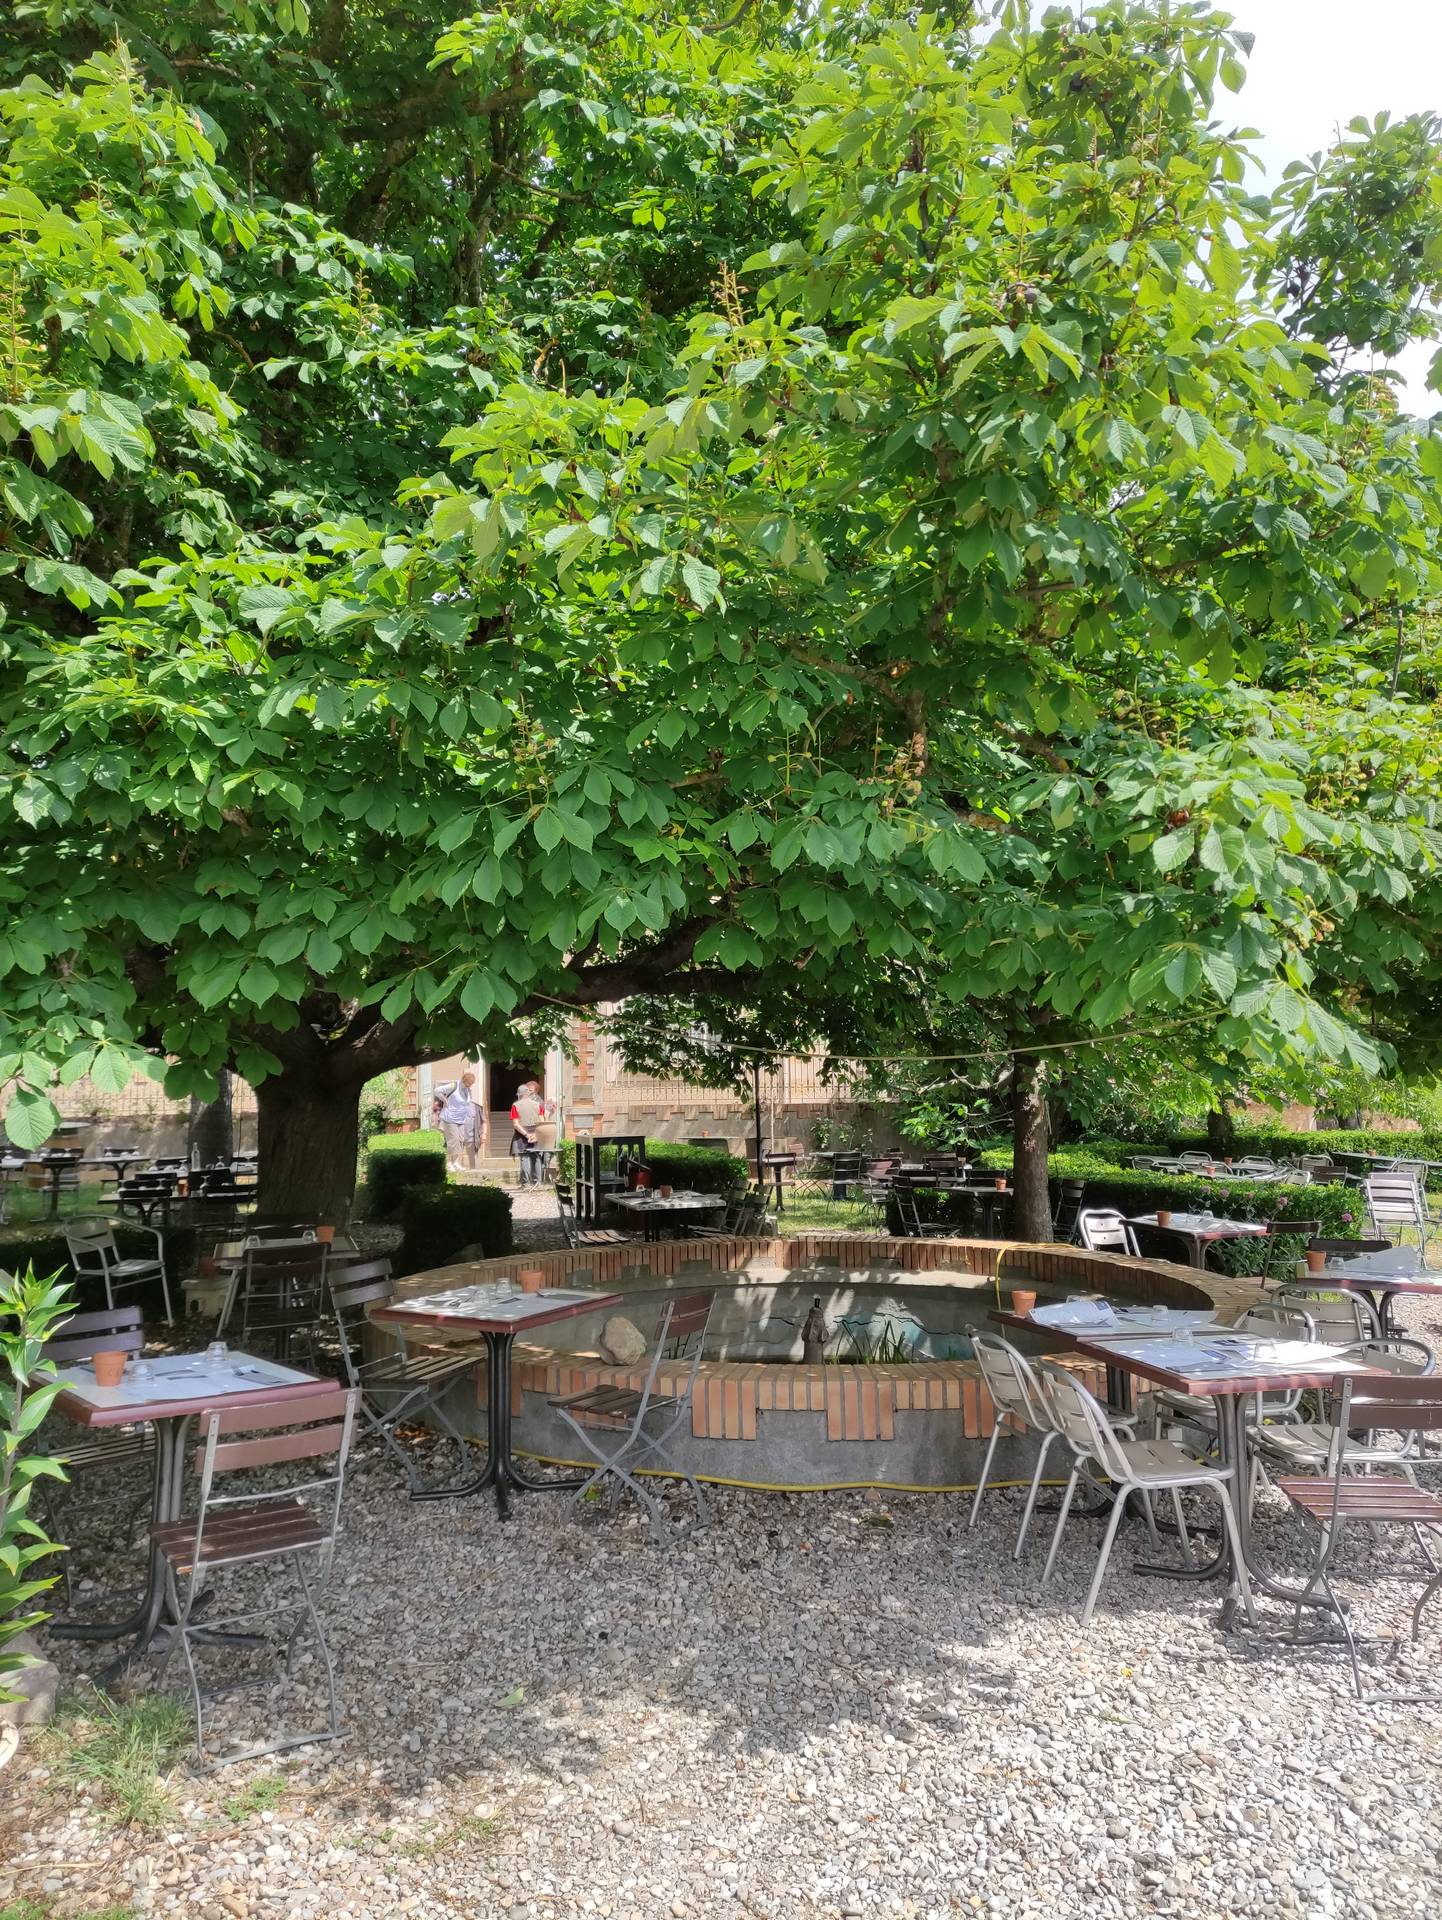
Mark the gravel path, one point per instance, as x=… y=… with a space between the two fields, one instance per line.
x=821 y=1705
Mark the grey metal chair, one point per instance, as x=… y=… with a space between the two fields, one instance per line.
x=295 y=1524
x=400 y=1384
x=611 y=1421
x=1018 y=1400
x=95 y=1255
x=1396 y=1200
x=276 y=1296
x=1116 y=1465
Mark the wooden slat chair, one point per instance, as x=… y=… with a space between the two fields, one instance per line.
x=403 y=1384
x=295 y=1524
x=619 y=1414
x=1326 y=1506
x=103 y=1450
x=577 y=1235
x=95 y=1256
x=276 y=1296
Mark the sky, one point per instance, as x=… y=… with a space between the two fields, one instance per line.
x=1315 y=66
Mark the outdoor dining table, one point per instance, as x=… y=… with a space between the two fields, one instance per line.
x=55 y=1164
x=497 y=1311
x=1380 y=1277
x=1199 y=1230
x=166 y=1393
x=656 y=1214
x=1229 y=1369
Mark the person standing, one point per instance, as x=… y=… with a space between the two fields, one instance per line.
x=526 y=1115
x=460 y=1118
x=547 y=1129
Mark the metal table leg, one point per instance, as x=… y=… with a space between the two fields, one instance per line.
x=1232 y=1426
x=164 y=1505
x=500 y=1470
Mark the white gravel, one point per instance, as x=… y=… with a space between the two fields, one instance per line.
x=822 y=1705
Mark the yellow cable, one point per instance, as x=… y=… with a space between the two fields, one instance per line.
x=773 y=1486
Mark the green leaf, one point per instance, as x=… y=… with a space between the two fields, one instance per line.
x=702 y=582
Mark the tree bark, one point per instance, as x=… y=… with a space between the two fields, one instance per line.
x=212 y=1134
x=1031 y=1204
x=1221 y=1130
x=309 y=1138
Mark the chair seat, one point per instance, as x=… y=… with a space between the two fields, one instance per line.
x=1366 y=1499
x=113 y=1449
x=240 y=1533
x=1299 y=1442
x=133 y=1268
x=603 y=1237
x=426 y=1368
x=1164 y=1462
x=607 y=1406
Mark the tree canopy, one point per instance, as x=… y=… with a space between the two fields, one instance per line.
x=833 y=511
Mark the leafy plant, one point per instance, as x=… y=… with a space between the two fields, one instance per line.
x=261 y=1795
x=30 y=1311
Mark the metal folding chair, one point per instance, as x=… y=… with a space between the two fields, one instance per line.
x=95 y=1256
x=295 y=1524
x=276 y=1295
x=398 y=1385
x=1324 y=1506
x=1116 y=1466
x=577 y=1235
x=104 y=1450
x=1397 y=1200
x=1305 y=1446
x=622 y=1412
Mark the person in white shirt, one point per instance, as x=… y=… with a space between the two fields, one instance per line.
x=460 y=1119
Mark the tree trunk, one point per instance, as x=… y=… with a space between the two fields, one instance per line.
x=309 y=1137
x=1031 y=1205
x=212 y=1135
x=1221 y=1130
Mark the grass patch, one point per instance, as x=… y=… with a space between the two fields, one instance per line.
x=813 y=1214
x=124 y=1749
x=471 y=1830
x=261 y=1796
x=31 y=1910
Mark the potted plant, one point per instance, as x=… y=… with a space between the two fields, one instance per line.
x=531 y=1279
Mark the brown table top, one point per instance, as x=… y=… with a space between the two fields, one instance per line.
x=486 y=1309
x=183 y=1383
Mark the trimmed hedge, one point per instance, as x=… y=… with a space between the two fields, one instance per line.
x=439 y=1224
x=672 y=1164
x=1425 y=1144
x=396 y=1161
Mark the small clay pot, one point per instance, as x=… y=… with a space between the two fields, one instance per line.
x=109 y=1369
x=1164 y=1216
x=665 y=1192
x=1000 y=1184
x=1316 y=1260
x=325 y=1235
x=1023 y=1299
x=532 y=1279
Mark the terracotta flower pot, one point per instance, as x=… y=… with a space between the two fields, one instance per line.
x=1023 y=1299
x=1000 y=1185
x=1316 y=1261
x=109 y=1369
x=665 y=1192
x=1164 y=1216
x=325 y=1235
x=532 y=1279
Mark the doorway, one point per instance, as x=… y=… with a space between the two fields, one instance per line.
x=504 y=1083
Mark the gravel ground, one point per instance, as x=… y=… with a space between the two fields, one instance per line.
x=822 y=1705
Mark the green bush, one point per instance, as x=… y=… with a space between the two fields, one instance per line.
x=672 y=1164
x=439 y=1224
x=1426 y=1144
x=47 y=1252
x=396 y=1161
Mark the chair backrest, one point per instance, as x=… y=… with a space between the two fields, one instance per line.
x=908 y=1212
x=315 y=1428
x=83 y=1335
x=354 y=1286
x=91 y=1246
x=566 y=1209
x=1278 y=1318
x=1104 y=1230
x=1082 y=1421
x=1393 y=1196
x=280 y=1286
x=1068 y=1209
x=1194 y=1159
x=1398 y=1403
x=1256 y=1163
x=1011 y=1381
x=1396 y=1353
x=1334 y=1315
x=681 y=1324
x=1349 y=1249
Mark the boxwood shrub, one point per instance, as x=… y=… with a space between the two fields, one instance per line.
x=396 y=1161
x=440 y=1223
x=672 y=1164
